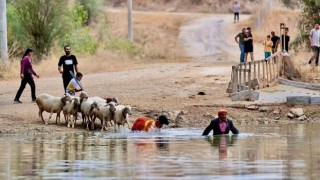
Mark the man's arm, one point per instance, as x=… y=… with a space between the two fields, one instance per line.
x=310 y=39
x=208 y=129
x=233 y=129
x=76 y=68
x=236 y=38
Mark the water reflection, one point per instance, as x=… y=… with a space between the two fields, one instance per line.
x=222 y=142
x=265 y=152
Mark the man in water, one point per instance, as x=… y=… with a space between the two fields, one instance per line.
x=221 y=125
x=147 y=124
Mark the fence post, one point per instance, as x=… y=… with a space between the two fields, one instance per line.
x=249 y=81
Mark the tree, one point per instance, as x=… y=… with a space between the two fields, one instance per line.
x=43 y=21
x=310 y=14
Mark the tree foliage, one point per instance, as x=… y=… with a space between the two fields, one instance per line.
x=43 y=21
x=310 y=14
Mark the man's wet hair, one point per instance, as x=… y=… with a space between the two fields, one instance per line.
x=163 y=119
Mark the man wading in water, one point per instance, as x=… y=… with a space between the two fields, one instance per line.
x=221 y=125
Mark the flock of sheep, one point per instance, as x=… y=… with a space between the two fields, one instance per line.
x=107 y=110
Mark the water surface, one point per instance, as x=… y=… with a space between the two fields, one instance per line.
x=259 y=152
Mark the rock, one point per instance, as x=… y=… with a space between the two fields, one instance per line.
x=277 y=118
x=277 y=112
x=297 y=112
x=290 y=115
x=201 y=93
x=302 y=118
x=252 y=107
x=263 y=109
x=192 y=96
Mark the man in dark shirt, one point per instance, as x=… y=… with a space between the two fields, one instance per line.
x=285 y=38
x=275 y=40
x=221 y=125
x=240 y=40
x=68 y=63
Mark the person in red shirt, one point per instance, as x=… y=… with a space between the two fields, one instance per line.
x=26 y=73
x=221 y=125
x=147 y=124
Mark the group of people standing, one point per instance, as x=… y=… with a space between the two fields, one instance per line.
x=271 y=43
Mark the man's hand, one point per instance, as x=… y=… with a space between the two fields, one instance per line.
x=37 y=76
x=22 y=76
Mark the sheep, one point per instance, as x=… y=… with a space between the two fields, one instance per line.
x=105 y=101
x=52 y=105
x=106 y=114
x=71 y=109
x=88 y=108
x=121 y=116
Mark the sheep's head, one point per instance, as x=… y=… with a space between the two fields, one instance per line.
x=83 y=95
x=66 y=98
x=126 y=110
x=112 y=106
x=113 y=99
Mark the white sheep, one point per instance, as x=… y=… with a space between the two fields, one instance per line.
x=71 y=109
x=121 y=116
x=106 y=114
x=88 y=109
x=52 y=105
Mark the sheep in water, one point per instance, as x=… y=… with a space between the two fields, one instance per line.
x=106 y=114
x=71 y=109
x=121 y=116
x=51 y=104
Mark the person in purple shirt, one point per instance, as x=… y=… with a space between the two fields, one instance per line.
x=26 y=73
x=221 y=125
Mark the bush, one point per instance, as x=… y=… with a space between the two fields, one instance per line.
x=124 y=46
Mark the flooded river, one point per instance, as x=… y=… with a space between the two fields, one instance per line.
x=259 y=152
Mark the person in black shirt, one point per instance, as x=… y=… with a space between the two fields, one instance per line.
x=68 y=63
x=285 y=38
x=275 y=40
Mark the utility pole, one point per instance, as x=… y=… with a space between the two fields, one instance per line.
x=3 y=31
x=130 y=33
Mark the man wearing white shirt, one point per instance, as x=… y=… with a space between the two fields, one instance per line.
x=315 y=43
x=236 y=11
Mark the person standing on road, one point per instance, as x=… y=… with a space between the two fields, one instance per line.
x=314 y=36
x=240 y=40
x=26 y=73
x=267 y=47
x=285 y=39
x=236 y=11
x=221 y=125
x=248 y=45
x=68 y=62
x=275 y=40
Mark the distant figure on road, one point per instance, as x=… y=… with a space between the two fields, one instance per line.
x=275 y=41
x=236 y=11
x=69 y=63
x=240 y=40
x=285 y=39
x=248 y=45
x=221 y=125
x=314 y=36
x=267 y=47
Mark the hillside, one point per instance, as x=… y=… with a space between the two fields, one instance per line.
x=201 y=6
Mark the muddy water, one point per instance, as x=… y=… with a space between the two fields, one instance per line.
x=259 y=152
